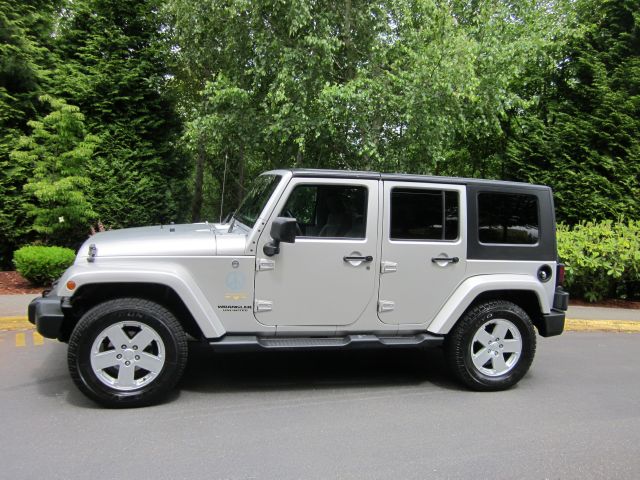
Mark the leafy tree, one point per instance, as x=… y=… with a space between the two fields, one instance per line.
x=404 y=85
x=58 y=151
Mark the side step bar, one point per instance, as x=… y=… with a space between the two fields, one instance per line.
x=252 y=342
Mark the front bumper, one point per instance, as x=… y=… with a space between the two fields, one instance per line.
x=46 y=314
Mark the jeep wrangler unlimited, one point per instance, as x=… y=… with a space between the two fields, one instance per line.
x=317 y=259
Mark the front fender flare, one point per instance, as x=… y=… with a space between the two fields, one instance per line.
x=170 y=275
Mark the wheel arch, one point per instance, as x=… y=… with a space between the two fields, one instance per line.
x=168 y=280
x=525 y=299
x=91 y=294
x=525 y=292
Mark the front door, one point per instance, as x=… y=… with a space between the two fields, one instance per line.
x=423 y=250
x=327 y=277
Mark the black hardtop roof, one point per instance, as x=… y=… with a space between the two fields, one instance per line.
x=407 y=177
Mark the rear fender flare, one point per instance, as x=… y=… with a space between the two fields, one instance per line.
x=469 y=290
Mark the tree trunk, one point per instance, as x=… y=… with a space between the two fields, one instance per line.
x=241 y=175
x=349 y=67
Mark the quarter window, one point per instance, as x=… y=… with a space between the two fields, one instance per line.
x=508 y=218
x=330 y=211
x=419 y=214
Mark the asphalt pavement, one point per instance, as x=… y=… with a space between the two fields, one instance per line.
x=369 y=415
x=15 y=305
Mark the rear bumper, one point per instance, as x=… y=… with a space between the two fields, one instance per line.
x=561 y=300
x=552 y=323
x=46 y=314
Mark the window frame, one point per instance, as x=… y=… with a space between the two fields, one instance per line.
x=508 y=193
x=430 y=188
x=317 y=185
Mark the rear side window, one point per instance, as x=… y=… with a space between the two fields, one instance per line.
x=420 y=214
x=508 y=218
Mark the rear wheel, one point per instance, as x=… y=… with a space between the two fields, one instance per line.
x=492 y=346
x=127 y=352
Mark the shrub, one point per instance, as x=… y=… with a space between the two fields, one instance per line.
x=42 y=265
x=602 y=259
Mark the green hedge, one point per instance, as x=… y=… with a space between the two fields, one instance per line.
x=602 y=259
x=42 y=265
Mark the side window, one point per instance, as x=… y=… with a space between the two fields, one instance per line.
x=330 y=211
x=508 y=218
x=419 y=214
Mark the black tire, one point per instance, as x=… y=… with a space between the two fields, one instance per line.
x=129 y=316
x=459 y=345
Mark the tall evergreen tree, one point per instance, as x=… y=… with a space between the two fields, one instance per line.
x=25 y=62
x=583 y=135
x=57 y=151
x=114 y=67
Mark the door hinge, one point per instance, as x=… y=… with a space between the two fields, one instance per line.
x=388 y=267
x=263 y=306
x=386 y=306
x=266 y=264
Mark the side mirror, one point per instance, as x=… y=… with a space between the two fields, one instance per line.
x=283 y=229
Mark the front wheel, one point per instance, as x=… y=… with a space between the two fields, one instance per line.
x=492 y=346
x=127 y=352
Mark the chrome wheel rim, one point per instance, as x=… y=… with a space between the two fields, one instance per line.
x=127 y=355
x=496 y=347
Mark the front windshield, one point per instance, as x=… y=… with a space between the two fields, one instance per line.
x=253 y=204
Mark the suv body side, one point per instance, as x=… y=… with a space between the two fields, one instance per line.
x=309 y=289
x=317 y=259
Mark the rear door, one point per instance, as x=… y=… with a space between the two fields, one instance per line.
x=423 y=249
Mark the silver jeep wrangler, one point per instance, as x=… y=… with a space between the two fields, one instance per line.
x=317 y=259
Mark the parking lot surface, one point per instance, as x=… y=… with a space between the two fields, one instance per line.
x=377 y=414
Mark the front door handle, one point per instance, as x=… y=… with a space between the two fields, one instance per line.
x=350 y=258
x=445 y=259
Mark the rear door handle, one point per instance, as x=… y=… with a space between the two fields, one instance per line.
x=445 y=259
x=349 y=258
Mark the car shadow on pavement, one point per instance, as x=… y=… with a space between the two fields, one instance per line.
x=209 y=371
x=52 y=379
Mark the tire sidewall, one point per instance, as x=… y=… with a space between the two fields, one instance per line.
x=521 y=321
x=95 y=322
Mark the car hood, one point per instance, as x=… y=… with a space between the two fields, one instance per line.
x=186 y=240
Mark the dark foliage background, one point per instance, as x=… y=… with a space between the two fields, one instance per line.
x=132 y=112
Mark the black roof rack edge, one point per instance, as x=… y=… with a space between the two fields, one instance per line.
x=407 y=177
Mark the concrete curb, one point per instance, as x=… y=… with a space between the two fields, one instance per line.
x=622 y=326
x=571 y=325
x=15 y=323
